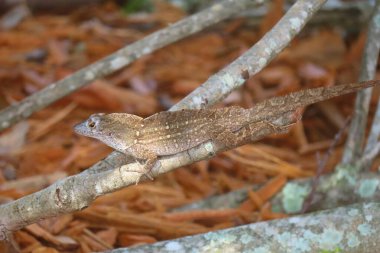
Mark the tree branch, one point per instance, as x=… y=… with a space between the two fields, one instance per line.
x=355 y=139
x=370 y=154
x=255 y=59
x=77 y=192
x=346 y=229
x=335 y=190
x=222 y=83
x=120 y=59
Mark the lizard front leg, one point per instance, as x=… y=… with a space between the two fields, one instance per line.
x=150 y=158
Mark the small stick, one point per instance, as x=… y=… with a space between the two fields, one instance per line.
x=321 y=166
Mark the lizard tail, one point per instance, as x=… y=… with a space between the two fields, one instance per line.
x=292 y=101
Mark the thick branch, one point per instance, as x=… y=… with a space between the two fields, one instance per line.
x=120 y=59
x=102 y=178
x=346 y=229
x=355 y=139
x=77 y=192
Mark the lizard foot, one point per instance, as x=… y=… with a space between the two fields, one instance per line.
x=148 y=174
x=144 y=174
x=146 y=170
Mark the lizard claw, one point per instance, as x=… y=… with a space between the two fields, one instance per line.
x=148 y=174
x=146 y=171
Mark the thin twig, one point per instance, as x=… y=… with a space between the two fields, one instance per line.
x=255 y=59
x=355 y=140
x=368 y=156
x=322 y=165
x=373 y=138
x=121 y=58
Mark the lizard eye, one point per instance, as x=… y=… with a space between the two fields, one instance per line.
x=91 y=124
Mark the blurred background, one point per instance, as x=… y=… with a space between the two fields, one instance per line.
x=44 y=41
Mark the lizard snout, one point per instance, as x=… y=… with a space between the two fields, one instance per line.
x=81 y=128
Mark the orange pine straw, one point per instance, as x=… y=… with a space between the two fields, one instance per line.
x=224 y=225
x=98 y=220
x=126 y=194
x=272 y=187
x=201 y=214
x=84 y=247
x=256 y=199
x=38 y=231
x=131 y=239
x=248 y=206
x=33 y=247
x=44 y=127
x=94 y=245
x=25 y=238
x=191 y=182
x=61 y=223
x=97 y=239
x=270 y=167
x=267 y=214
x=140 y=223
x=269 y=157
x=285 y=167
x=159 y=190
x=229 y=183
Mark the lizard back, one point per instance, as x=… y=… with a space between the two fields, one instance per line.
x=168 y=132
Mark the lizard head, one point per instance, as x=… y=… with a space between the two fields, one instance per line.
x=93 y=126
x=113 y=129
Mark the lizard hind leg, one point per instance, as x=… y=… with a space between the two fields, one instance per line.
x=226 y=139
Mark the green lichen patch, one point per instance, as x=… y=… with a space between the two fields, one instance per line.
x=365 y=229
x=352 y=240
x=368 y=187
x=344 y=175
x=293 y=196
x=330 y=238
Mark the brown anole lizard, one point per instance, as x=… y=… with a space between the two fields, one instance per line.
x=168 y=133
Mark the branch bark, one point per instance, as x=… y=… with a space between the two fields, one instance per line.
x=120 y=59
x=346 y=229
x=222 y=83
x=334 y=190
x=77 y=192
x=355 y=140
x=255 y=59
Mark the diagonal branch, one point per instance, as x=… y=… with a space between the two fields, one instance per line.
x=77 y=192
x=233 y=76
x=121 y=58
x=255 y=59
